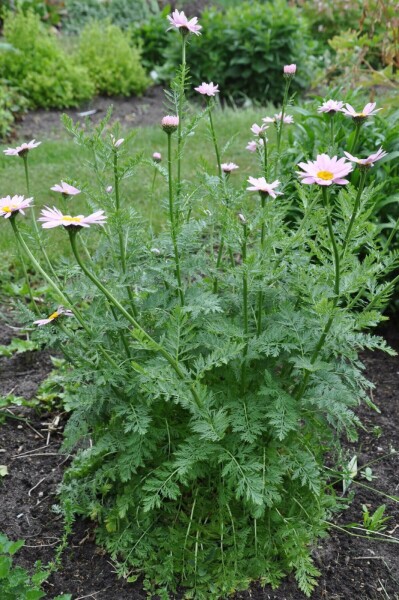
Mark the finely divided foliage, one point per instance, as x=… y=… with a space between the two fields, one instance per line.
x=214 y=366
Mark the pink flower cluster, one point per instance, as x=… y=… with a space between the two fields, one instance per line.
x=334 y=106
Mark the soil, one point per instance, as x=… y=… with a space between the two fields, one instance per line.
x=351 y=567
x=130 y=112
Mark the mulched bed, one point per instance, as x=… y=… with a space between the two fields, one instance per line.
x=351 y=567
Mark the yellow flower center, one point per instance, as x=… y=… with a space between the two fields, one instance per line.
x=361 y=115
x=70 y=219
x=326 y=175
x=54 y=315
x=8 y=209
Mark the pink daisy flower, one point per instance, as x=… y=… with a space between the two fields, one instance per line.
x=22 y=149
x=331 y=106
x=368 y=111
x=261 y=185
x=180 y=21
x=52 y=217
x=290 y=69
x=61 y=311
x=325 y=170
x=253 y=145
x=229 y=167
x=288 y=119
x=65 y=189
x=116 y=143
x=207 y=89
x=259 y=130
x=16 y=204
x=157 y=157
x=369 y=161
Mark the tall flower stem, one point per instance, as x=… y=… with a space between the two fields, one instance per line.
x=215 y=141
x=281 y=124
x=362 y=182
x=265 y=158
x=356 y=138
x=152 y=197
x=25 y=272
x=244 y=303
x=319 y=346
x=152 y=344
x=122 y=249
x=55 y=287
x=332 y=134
x=35 y=227
x=262 y=245
x=173 y=222
x=180 y=110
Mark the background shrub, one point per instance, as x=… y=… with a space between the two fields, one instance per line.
x=12 y=104
x=119 y=12
x=112 y=63
x=38 y=66
x=246 y=47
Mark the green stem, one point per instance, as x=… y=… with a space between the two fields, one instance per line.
x=327 y=327
x=262 y=244
x=25 y=272
x=34 y=223
x=218 y=261
x=173 y=223
x=180 y=114
x=245 y=304
x=356 y=138
x=55 y=287
x=215 y=141
x=281 y=124
x=122 y=249
x=152 y=197
x=143 y=334
x=265 y=157
x=332 y=130
x=355 y=210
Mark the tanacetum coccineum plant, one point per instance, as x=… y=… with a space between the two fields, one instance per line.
x=214 y=366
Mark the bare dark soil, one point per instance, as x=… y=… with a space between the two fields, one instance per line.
x=351 y=567
x=130 y=112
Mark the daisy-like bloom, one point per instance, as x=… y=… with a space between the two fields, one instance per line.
x=288 y=119
x=229 y=167
x=157 y=157
x=260 y=185
x=369 y=161
x=52 y=217
x=259 y=130
x=331 y=107
x=253 y=145
x=65 y=189
x=116 y=143
x=170 y=123
x=180 y=21
x=23 y=149
x=61 y=311
x=289 y=69
x=325 y=170
x=16 y=204
x=368 y=111
x=207 y=89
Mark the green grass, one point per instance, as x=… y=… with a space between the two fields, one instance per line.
x=63 y=159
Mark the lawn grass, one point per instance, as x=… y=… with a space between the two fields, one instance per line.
x=60 y=159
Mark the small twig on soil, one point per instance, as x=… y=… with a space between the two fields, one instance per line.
x=91 y=595
x=41 y=454
x=29 y=451
x=35 y=486
x=43 y=545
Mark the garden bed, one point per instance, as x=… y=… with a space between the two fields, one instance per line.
x=351 y=567
x=130 y=112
